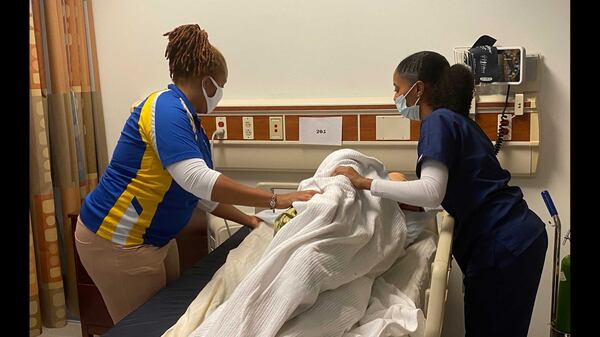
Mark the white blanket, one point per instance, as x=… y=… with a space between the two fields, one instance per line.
x=315 y=277
x=238 y=264
x=389 y=311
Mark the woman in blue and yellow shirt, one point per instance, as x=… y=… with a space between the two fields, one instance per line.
x=161 y=169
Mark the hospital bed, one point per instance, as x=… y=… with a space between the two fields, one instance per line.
x=164 y=309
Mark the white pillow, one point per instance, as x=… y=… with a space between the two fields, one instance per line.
x=416 y=222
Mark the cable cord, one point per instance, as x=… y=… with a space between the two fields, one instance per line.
x=219 y=133
x=501 y=125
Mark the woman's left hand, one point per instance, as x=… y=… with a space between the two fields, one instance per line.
x=356 y=179
x=254 y=222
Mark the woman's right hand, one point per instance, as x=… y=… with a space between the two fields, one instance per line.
x=286 y=200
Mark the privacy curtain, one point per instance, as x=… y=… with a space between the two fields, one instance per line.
x=67 y=148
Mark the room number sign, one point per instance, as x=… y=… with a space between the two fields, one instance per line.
x=321 y=130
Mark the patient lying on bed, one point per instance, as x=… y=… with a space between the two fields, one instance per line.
x=315 y=276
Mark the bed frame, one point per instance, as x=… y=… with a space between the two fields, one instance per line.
x=437 y=294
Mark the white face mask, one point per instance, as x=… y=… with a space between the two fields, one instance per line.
x=410 y=112
x=211 y=102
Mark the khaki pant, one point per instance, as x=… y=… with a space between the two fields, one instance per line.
x=126 y=276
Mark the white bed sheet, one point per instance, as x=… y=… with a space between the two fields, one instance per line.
x=410 y=274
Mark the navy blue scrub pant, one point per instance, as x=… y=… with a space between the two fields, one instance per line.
x=499 y=301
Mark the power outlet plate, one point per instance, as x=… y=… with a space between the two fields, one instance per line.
x=221 y=124
x=519 y=104
x=248 y=127
x=276 y=127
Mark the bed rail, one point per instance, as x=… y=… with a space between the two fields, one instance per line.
x=437 y=293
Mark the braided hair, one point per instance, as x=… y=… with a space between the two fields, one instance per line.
x=190 y=54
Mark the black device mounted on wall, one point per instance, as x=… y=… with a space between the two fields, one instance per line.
x=488 y=66
x=494 y=65
x=483 y=60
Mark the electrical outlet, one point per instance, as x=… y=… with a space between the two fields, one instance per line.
x=248 y=127
x=519 y=104
x=276 y=127
x=222 y=125
x=507 y=136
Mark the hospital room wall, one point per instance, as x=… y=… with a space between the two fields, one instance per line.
x=292 y=51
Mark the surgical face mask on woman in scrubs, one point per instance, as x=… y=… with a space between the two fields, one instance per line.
x=410 y=112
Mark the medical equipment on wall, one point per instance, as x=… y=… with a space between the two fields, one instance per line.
x=560 y=315
x=496 y=66
x=493 y=64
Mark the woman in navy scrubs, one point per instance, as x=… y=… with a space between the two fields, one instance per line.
x=499 y=243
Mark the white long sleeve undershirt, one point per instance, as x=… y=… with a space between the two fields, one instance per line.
x=194 y=176
x=428 y=191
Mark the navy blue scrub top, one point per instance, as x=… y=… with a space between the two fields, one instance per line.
x=493 y=223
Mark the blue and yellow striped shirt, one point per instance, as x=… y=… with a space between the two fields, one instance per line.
x=137 y=201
